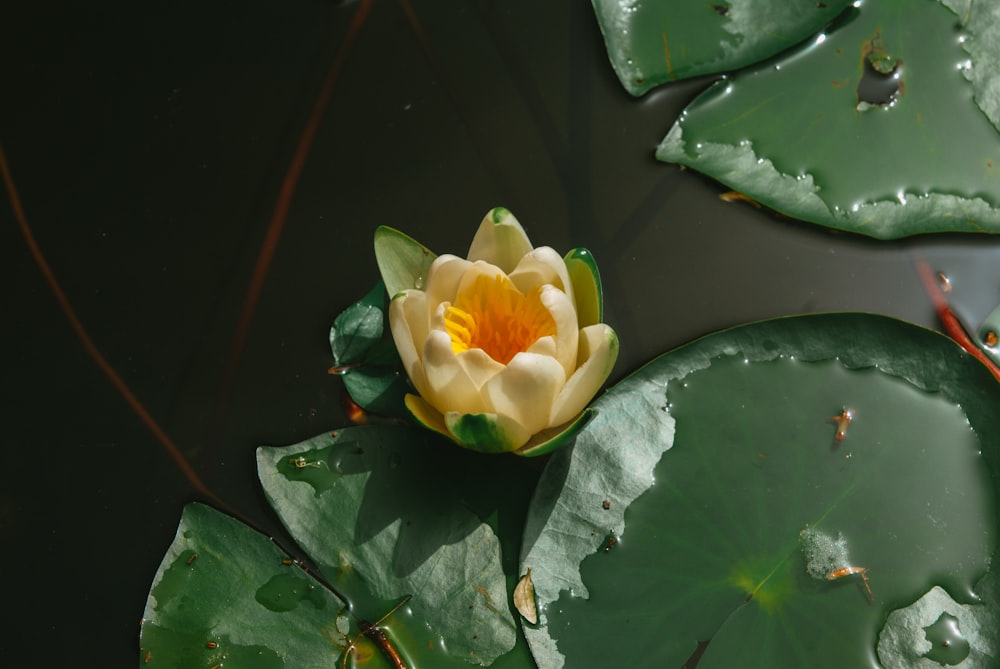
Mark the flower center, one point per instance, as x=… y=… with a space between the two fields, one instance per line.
x=493 y=315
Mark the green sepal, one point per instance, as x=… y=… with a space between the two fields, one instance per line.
x=367 y=358
x=547 y=441
x=481 y=432
x=358 y=327
x=402 y=260
x=586 y=280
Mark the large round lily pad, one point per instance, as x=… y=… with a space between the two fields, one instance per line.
x=886 y=124
x=825 y=472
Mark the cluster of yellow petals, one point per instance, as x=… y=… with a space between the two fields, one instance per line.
x=493 y=315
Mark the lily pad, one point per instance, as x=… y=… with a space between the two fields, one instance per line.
x=388 y=512
x=884 y=125
x=225 y=594
x=651 y=42
x=816 y=458
x=393 y=517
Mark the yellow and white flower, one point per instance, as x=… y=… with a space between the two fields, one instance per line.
x=505 y=347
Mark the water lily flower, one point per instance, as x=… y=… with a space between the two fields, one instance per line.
x=506 y=347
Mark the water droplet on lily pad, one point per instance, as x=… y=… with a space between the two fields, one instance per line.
x=948 y=645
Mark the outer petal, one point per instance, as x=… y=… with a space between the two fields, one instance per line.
x=450 y=386
x=563 y=312
x=525 y=391
x=408 y=321
x=414 y=310
x=486 y=432
x=500 y=240
x=542 y=266
x=427 y=415
x=598 y=352
x=443 y=278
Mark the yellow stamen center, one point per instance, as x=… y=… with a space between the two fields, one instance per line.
x=493 y=315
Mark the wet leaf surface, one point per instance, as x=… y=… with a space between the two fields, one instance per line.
x=225 y=594
x=650 y=42
x=884 y=125
x=391 y=511
x=900 y=499
x=386 y=513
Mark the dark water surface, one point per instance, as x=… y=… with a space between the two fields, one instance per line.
x=149 y=146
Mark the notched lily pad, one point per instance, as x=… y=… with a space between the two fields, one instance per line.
x=393 y=511
x=885 y=125
x=651 y=42
x=225 y=594
x=824 y=469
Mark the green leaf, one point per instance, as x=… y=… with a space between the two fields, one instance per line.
x=402 y=260
x=712 y=550
x=820 y=134
x=380 y=390
x=225 y=593
x=358 y=328
x=391 y=511
x=366 y=359
x=650 y=43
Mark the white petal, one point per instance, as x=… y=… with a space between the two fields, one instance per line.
x=450 y=386
x=542 y=266
x=479 y=366
x=526 y=390
x=402 y=308
x=544 y=346
x=414 y=311
x=443 y=278
x=500 y=240
x=560 y=306
x=598 y=352
x=476 y=270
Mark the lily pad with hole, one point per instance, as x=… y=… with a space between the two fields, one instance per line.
x=884 y=125
x=768 y=496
